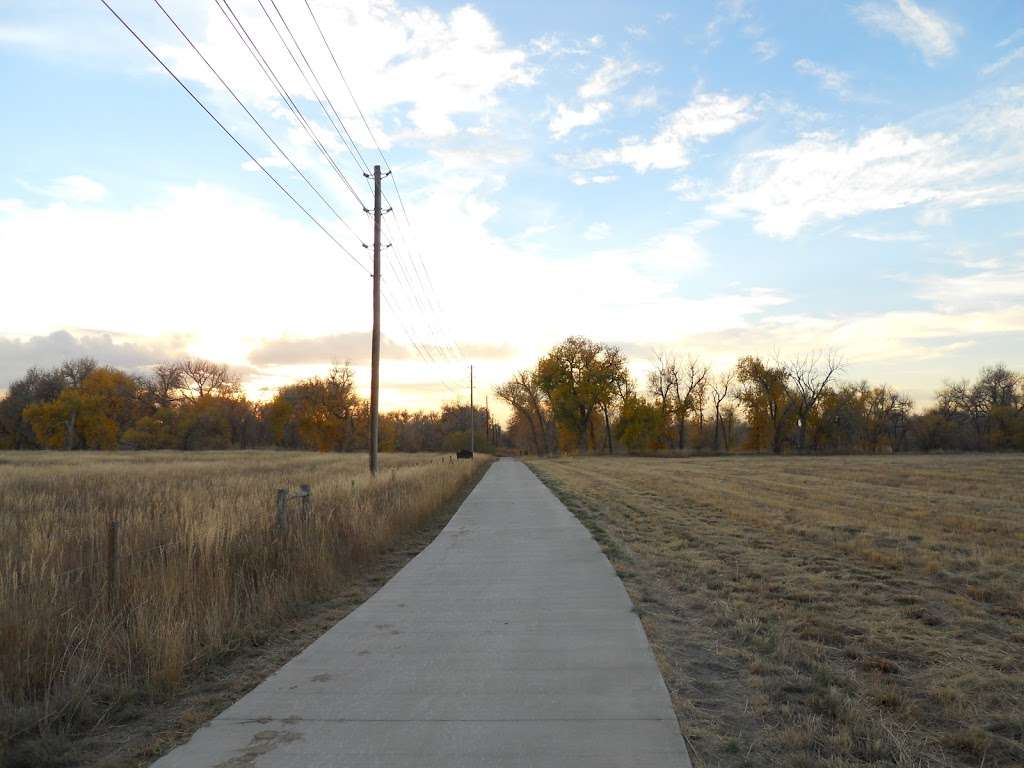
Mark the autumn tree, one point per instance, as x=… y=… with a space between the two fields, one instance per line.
x=765 y=396
x=640 y=425
x=317 y=413
x=91 y=415
x=576 y=377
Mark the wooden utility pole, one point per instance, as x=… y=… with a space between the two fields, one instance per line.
x=375 y=354
x=472 y=413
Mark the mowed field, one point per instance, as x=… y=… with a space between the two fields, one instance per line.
x=825 y=611
x=203 y=570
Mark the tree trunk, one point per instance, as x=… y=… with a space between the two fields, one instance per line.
x=70 y=437
x=608 y=429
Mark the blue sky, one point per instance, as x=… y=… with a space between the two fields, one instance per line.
x=714 y=179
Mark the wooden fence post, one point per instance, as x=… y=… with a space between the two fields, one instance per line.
x=112 y=557
x=281 y=521
x=307 y=501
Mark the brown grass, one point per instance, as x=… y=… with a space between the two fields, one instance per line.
x=835 y=611
x=203 y=572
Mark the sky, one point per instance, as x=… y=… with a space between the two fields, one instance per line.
x=713 y=179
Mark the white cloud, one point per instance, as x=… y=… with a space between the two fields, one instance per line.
x=830 y=79
x=427 y=67
x=926 y=30
x=706 y=116
x=535 y=230
x=728 y=12
x=1011 y=38
x=1015 y=55
x=610 y=77
x=823 y=177
x=645 y=98
x=599 y=230
x=890 y=237
x=638 y=31
x=766 y=49
x=552 y=45
x=566 y=119
x=689 y=190
x=76 y=189
x=934 y=217
x=987 y=289
x=580 y=180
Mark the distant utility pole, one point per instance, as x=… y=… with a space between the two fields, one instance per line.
x=472 y=413
x=375 y=354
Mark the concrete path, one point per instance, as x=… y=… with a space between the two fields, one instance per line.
x=509 y=641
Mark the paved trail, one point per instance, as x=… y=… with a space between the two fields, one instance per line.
x=509 y=641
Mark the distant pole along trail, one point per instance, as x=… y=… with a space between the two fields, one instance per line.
x=375 y=354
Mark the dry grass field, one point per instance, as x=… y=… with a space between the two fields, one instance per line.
x=203 y=570
x=824 y=611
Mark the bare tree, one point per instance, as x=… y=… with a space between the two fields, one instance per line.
x=660 y=383
x=688 y=387
x=522 y=392
x=201 y=378
x=720 y=387
x=810 y=376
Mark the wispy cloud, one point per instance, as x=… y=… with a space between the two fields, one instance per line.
x=71 y=189
x=610 y=77
x=599 y=230
x=706 y=116
x=766 y=50
x=934 y=36
x=1015 y=55
x=890 y=237
x=830 y=79
x=645 y=98
x=1011 y=38
x=566 y=119
x=823 y=177
x=581 y=180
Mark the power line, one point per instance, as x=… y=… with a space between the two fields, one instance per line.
x=250 y=45
x=241 y=146
x=255 y=120
x=302 y=72
x=351 y=141
x=384 y=159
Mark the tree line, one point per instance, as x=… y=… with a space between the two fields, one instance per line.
x=200 y=405
x=580 y=397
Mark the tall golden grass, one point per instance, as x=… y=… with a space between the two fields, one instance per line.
x=202 y=567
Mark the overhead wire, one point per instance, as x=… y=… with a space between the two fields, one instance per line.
x=427 y=287
x=407 y=276
x=243 y=35
x=256 y=121
x=232 y=136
